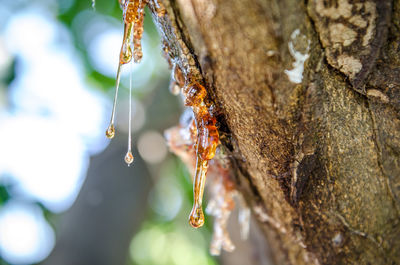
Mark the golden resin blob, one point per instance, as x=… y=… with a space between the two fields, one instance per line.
x=206 y=144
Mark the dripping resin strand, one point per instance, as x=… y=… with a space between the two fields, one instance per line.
x=133 y=17
x=206 y=144
x=206 y=131
x=203 y=131
x=222 y=192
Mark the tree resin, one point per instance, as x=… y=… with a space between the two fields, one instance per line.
x=206 y=144
x=181 y=141
x=194 y=140
x=133 y=17
x=129 y=157
x=110 y=132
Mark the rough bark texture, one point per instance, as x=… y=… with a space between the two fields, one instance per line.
x=318 y=161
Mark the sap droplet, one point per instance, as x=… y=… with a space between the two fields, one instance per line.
x=196 y=218
x=126 y=49
x=110 y=132
x=129 y=158
x=126 y=54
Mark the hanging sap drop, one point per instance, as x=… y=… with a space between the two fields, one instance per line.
x=110 y=133
x=126 y=49
x=126 y=54
x=196 y=218
x=129 y=158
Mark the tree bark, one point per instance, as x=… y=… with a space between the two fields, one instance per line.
x=315 y=152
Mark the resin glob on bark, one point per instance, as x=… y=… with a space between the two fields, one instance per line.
x=203 y=131
x=223 y=195
x=206 y=144
x=195 y=141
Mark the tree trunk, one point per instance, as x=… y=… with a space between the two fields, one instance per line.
x=316 y=151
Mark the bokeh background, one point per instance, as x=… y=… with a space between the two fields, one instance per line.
x=66 y=195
